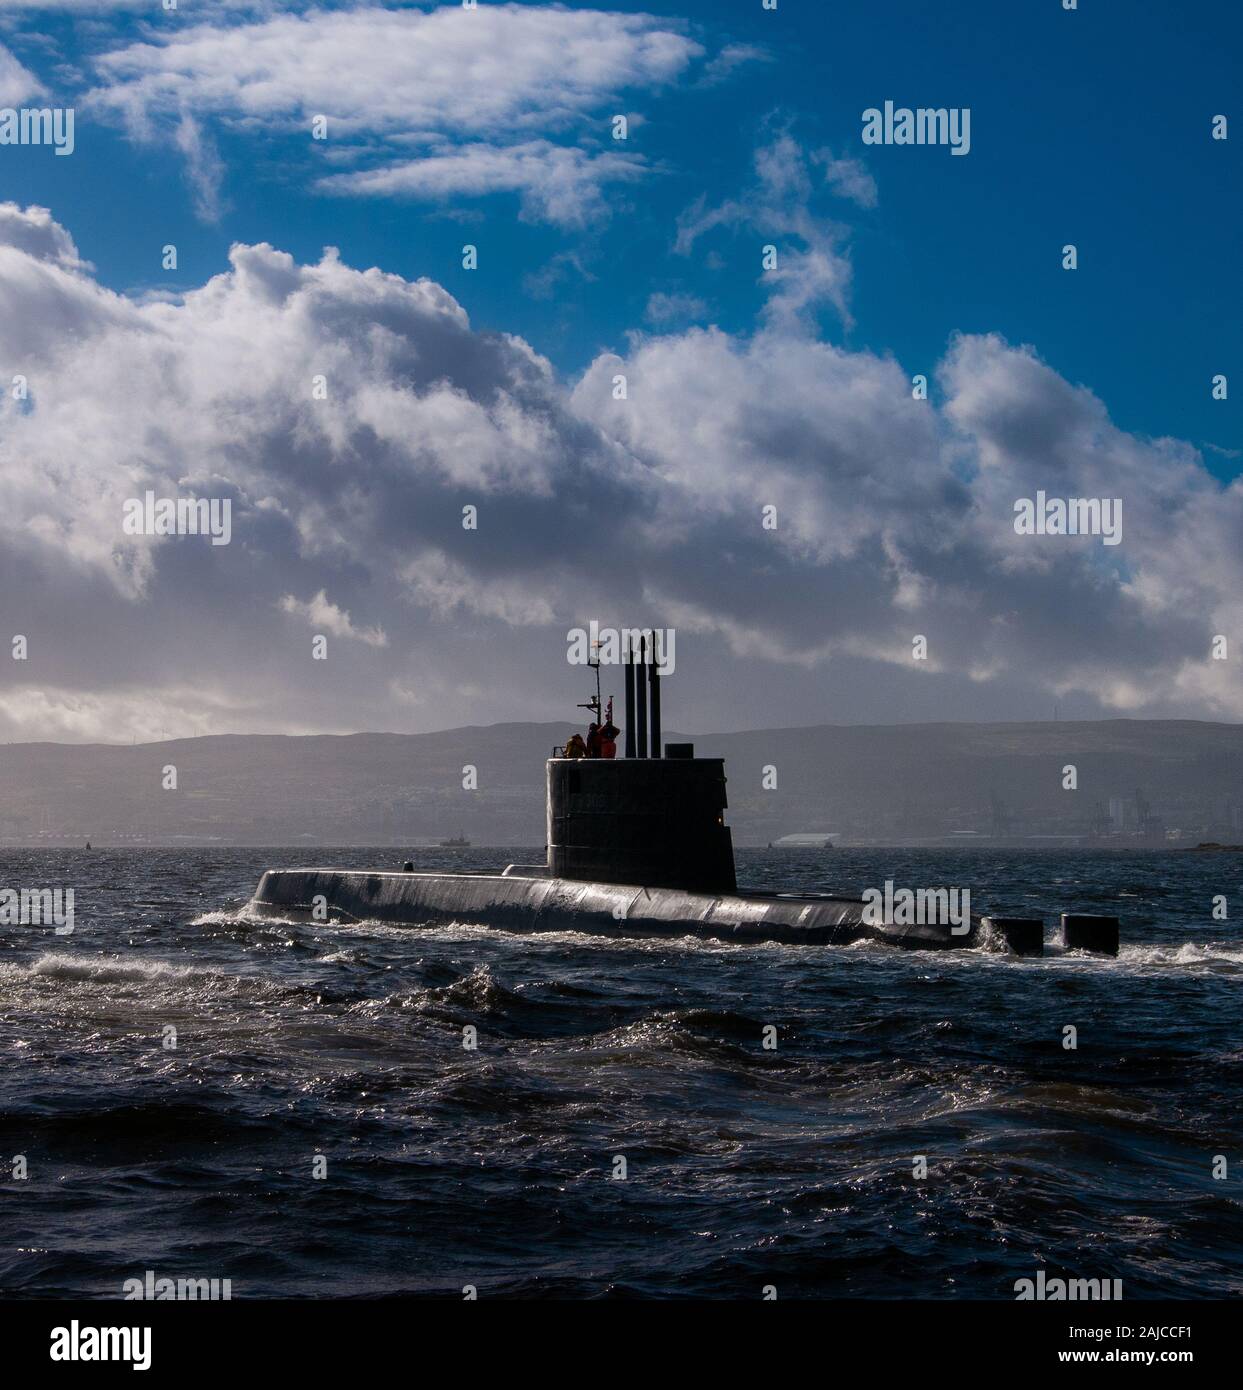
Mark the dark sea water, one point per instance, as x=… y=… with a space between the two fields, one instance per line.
x=745 y=1167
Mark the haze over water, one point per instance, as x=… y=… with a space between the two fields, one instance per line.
x=746 y=1167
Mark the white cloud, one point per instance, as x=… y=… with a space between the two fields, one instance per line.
x=813 y=267
x=678 y=307
x=187 y=8
x=848 y=178
x=446 y=586
x=35 y=233
x=325 y=616
x=124 y=712
x=485 y=88
x=17 y=84
x=557 y=183
x=730 y=59
x=565 y=265
x=204 y=167
x=894 y=516
x=498 y=68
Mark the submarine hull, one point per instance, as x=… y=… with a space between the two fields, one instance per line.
x=530 y=901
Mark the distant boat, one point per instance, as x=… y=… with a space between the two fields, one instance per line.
x=88 y=844
x=458 y=842
x=816 y=841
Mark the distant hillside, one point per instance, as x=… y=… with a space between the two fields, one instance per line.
x=900 y=781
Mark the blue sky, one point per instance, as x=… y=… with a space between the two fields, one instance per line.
x=1088 y=127
x=600 y=257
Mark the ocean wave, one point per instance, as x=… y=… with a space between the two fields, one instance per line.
x=243 y=917
x=1206 y=953
x=151 y=977
x=110 y=970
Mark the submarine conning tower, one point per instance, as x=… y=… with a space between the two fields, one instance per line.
x=647 y=819
x=657 y=822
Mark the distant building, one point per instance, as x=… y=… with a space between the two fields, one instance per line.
x=1133 y=815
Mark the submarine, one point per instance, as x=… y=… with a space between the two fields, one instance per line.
x=638 y=846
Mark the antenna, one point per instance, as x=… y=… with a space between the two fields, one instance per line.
x=594 y=703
